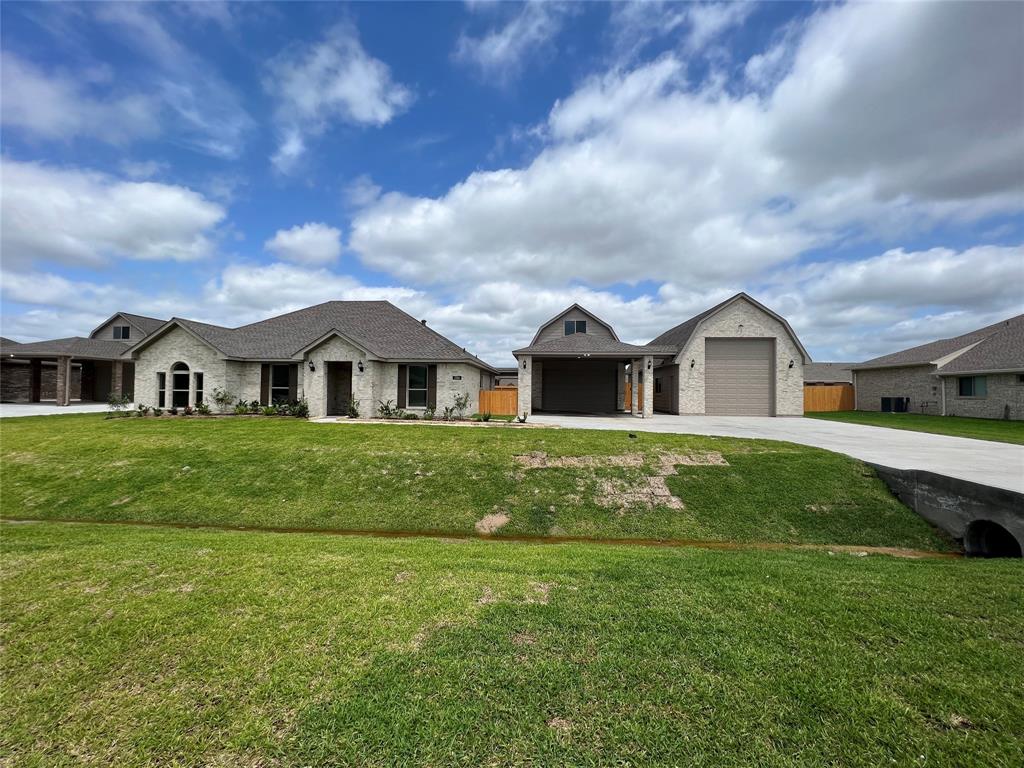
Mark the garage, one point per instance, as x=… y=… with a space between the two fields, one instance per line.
x=580 y=386
x=739 y=377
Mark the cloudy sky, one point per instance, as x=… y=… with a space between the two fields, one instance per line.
x=859 y=168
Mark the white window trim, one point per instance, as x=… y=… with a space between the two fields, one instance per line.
x=425 y=389
x=187 y=390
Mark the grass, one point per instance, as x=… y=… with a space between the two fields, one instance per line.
x=135 y=647
x=290 y=473
x=957 y=426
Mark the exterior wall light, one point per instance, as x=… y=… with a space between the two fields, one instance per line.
x=790 y=363
x=359 y=365
x=524 y=363
x=693 y=363
x=650 y=364
x=311 y=366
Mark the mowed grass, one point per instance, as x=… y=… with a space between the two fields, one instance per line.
x=290 y=473
x=137 y=646
x=957 y=426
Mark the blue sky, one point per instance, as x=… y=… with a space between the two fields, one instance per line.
x=858 y=168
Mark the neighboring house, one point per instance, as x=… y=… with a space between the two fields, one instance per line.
x=506 y=377
x=736 y=358
x=980 y=373
x=828 y=374
x=74 y=368
x=331 y=355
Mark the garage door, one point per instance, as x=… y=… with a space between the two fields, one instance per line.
x=580 y=386
x=738 y=377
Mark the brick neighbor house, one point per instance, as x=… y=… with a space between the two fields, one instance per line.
x=979 y=374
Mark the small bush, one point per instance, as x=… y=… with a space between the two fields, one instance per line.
x=409 y=416
x=486 y=416
x=283 y=409
x=353 y=408
x=300 y=409
x=448 y=414
x=188 y=410
x=386 y=409
x=522 y=419
x=241 y=408
x=203 y=409
x=142 y=409
x=117 y=403
x=158 y=411
x=173 y=410
x=270 y=410
x=461 y=403
x=428 y=415
x=254 y=406
x=222 y=398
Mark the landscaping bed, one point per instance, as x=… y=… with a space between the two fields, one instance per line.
x=138 y=647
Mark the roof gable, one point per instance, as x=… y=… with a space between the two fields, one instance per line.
x=146 y=325
x=946 y=352
x=567 y=310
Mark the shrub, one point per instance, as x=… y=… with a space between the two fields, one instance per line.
x=409 y=416
x=254 y=406
x=188 y=410
x=485 y=416
x=461 y=403
x=173 y=410
x=117 y=402
x=448 y=414
x=270 y=410
x=222 y=398
x=522 y=419
x=283 y=409
x=157 y=411
x=353 y=408
x=386 y=409
x=300 y=409
x=142 y=409
x=203 y=409
x=241 y=408
x=428 y=415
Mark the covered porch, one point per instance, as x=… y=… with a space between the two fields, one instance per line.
x=65 y=371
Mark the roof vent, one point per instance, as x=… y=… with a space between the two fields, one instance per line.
x=423 y=321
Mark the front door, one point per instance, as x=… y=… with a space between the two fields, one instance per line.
x=339 y=387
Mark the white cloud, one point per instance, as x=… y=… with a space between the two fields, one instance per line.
x=361 y=191
x=313 y=243
x=501 y=53
x=646 y=178
x=142 y=169
x=83 y=217
x=62 y=106
x=710 y=20
x=695 y=25
x=332 y=81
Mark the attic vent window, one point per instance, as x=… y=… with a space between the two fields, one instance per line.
x=122 y=332
x=575 y=326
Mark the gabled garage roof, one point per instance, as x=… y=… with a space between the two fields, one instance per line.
x=680 y=335
x=568 y=309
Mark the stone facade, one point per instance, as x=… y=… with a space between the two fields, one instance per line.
x=1005 y=396
x=741 y=319
x=917 y=382
x=16 y=381
x=525 y=392
x=180 y=346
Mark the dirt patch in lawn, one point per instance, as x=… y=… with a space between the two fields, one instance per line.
x=491 y=523
x=540 y=460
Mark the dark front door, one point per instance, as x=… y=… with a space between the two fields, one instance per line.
x=339 y=387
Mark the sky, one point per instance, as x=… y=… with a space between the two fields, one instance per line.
x=859 y=168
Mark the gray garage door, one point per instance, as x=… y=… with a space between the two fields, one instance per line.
x=581 y=386
x=738 y=377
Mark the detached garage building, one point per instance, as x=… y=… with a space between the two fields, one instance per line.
x=738 y=358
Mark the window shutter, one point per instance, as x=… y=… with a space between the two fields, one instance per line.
x=401 y=385
x=432 y=386
x=265 y=384
x=293 y=383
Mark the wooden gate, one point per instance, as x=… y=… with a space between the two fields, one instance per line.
x=828 y=397
x=499 y=402
x=627 y=401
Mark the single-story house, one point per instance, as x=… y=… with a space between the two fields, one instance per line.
x=506 y=377
x=74 y=368
x=828 y=374
x=980 y=374
x=736 y=358
x=332 y=355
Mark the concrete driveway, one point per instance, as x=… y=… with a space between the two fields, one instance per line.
x=981 y=461
x=9 y=410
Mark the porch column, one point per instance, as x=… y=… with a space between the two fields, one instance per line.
x=620 y=387
x=634 y=385
x=525 y=392
x=35 y=387
x=648 y=369
x=117 y=378
x=63 y=380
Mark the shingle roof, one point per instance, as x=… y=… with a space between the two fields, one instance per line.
x=585 y=343
x=924 y=354
x=4 y=341
x=680 y=335
x=75 y=346
x=568 y=309
x=1002 y=350
x=147 y=324
x=381 y=328
x=828 y=372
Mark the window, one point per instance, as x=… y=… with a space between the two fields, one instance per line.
x=1020 y=378
x=198 y=375
x=657 y=385
x=279 y=387
x=973 y=386
x=179 y=385
x=161 y=390
x=417 y=386
x=575 y=326
x=123 y=332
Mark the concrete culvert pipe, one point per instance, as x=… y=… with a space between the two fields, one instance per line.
x=984 y=538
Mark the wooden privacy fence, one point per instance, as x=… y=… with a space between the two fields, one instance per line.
x=834 y=397
x=499 y=402
x=627 y=401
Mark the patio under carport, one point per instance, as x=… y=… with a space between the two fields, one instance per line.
x=583 y=373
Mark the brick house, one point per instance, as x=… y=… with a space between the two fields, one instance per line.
x=978 y=374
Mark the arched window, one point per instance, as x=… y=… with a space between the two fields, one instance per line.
x=179 y=385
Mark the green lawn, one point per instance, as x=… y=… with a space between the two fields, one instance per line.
x=290 y=473
x=958 y=426
x=138 y=647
